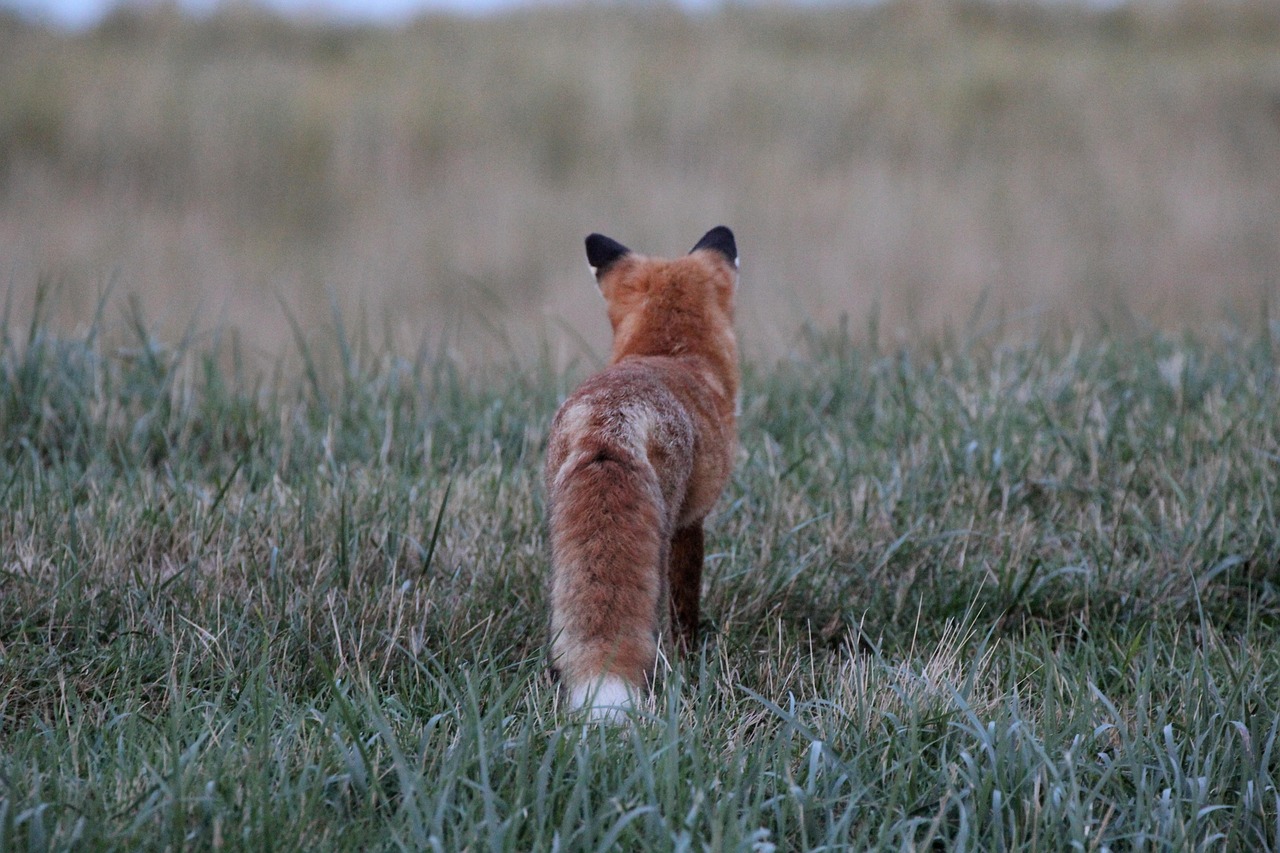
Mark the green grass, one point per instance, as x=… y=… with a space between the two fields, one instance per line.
x=974 y=595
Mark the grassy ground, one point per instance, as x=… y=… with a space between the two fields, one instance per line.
x=971 y=595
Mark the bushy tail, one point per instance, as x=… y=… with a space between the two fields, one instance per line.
x=607 y=552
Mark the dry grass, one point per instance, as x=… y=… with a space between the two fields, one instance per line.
x=914 y=160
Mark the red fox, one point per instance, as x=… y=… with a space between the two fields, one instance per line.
x=637 y=456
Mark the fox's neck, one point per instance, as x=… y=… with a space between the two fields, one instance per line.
x=712 y=346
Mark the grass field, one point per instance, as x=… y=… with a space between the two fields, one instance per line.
x=967 y=595
x=1059 y=160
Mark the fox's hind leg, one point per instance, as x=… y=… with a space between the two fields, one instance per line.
x=684 y=564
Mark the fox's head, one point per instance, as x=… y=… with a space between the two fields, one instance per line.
x=669 y=307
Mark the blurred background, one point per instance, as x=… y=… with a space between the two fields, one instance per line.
x=917 y=168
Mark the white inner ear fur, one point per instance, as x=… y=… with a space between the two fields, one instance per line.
x=596 y=278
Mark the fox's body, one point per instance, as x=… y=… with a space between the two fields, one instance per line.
x=637 y=457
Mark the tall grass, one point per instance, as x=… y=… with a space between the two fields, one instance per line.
x=971 y=595
x=1062 y=161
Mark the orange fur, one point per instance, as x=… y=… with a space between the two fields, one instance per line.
x=637 y=456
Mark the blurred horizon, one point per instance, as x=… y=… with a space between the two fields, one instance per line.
x=914 y=167
x=85 y=14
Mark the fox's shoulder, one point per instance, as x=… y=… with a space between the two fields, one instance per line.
x=626 y=383
x=653 y=376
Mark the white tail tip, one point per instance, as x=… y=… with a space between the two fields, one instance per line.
x=607 y=699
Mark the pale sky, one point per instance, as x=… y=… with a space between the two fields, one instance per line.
x=82 y=13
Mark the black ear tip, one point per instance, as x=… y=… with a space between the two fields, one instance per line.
x=603 y=251
x=719 y=239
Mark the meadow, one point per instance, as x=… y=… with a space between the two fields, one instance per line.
x=912 y=159
x=288 y=308
x=974 y=595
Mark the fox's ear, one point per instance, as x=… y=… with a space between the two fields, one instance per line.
x=603 y=252
x=719 y=239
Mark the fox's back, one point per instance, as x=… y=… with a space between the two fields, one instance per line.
x=658 y=410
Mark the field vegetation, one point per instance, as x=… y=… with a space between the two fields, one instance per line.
x=290 y=308
x=977 y=595
x=912 y=158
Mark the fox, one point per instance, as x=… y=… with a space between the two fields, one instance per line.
x=636 y=458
